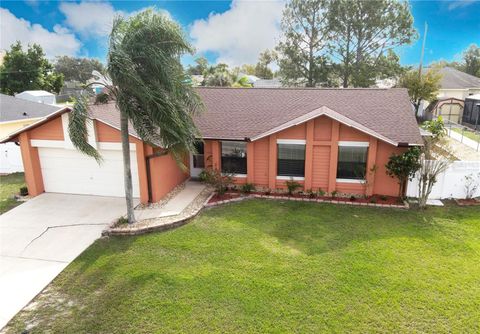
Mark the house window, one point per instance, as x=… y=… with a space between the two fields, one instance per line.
x=234 y=157
x=352 y=162
x=291 y=159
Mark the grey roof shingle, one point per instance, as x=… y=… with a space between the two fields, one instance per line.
x=12 y=109
x=455 y=79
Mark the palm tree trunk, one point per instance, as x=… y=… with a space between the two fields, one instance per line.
x=127 y=172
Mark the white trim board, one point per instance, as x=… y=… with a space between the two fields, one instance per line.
x=292 y=141
x=349 y=181
x=61 y=144
x=354 y=143
x=294 y=178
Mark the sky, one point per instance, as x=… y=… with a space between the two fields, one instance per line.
x=232 y=32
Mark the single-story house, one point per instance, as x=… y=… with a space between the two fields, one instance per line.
x=16 y=114
x=333 y=139
x=457 y=84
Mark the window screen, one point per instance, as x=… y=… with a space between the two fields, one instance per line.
x=291 y=160
x=234 y=157
x=352 y=162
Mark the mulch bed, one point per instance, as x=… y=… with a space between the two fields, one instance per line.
x=467 y=202
x=388 y=200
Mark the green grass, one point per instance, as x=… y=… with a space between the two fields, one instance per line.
x=275 y=267
x=469 y=134
x=9 y=185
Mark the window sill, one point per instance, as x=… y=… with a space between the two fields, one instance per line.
x=237 y=175
x=295 y=178
x=350 y=181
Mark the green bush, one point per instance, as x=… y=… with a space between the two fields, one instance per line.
x=321 y=192
x=373 y=199
x=334 y=193
x=23 y=191
x=353 y=198
x=218 y=180
x=292 y=185
x=248 y=188
x=383 y=198
x=310 y=193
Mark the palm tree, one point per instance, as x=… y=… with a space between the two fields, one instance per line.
x=148 y=83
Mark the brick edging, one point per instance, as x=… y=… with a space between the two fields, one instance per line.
x=315 y=200
x=112 y=231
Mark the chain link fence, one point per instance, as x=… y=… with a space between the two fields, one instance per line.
x=463 y=134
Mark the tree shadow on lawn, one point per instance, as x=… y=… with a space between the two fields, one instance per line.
x=314 y=228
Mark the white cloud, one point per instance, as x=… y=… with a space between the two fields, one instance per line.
x=460 y=4
x=241 y=33
x=89 y=18
x=92 y=19
x=60 y=41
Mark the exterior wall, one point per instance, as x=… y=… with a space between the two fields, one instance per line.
x=322 y=136
x=8 y=127
x=165 y=174
x=52 y=130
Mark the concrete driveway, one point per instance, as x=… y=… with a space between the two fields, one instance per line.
x=39 y=238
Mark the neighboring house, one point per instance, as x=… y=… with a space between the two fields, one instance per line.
x=16 y=114
x=333 y=139
x=457 y=84
x=39 y=96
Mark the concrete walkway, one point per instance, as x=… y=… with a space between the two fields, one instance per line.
x=39 y=238
x=175 y=205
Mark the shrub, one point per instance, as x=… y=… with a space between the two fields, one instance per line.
x=353 y=198
x=23 y=191
x=383 y=198
x=334 y=193
x=292 y=185
x=373 y=199
x=268 y=192
x=219 y=181
x=122 y=221
x=321 y=192
x=203 y=176
x=102 y=98
x=248 y=188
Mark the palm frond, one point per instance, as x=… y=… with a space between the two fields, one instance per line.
x=78 y=130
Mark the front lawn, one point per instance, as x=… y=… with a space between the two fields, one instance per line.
x=10 y=185
x=269 y=266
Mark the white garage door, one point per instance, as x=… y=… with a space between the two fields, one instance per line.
x=69 y=171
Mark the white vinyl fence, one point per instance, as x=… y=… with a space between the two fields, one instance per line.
x=451 y=183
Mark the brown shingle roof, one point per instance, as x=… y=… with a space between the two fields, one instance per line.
x=236 y=113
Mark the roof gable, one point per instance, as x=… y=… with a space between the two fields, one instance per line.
x=238 y=113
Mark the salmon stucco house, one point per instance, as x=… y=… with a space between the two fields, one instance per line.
x=329 y=139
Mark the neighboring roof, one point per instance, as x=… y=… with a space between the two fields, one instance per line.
x=239 y=113
x=41 y=121
x=36 y=93
x=455 y=79
x=267 y=83
x=13 y=109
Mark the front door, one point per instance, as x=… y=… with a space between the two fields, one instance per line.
x=197 y=162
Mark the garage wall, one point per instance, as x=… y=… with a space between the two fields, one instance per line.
x=53 y=165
